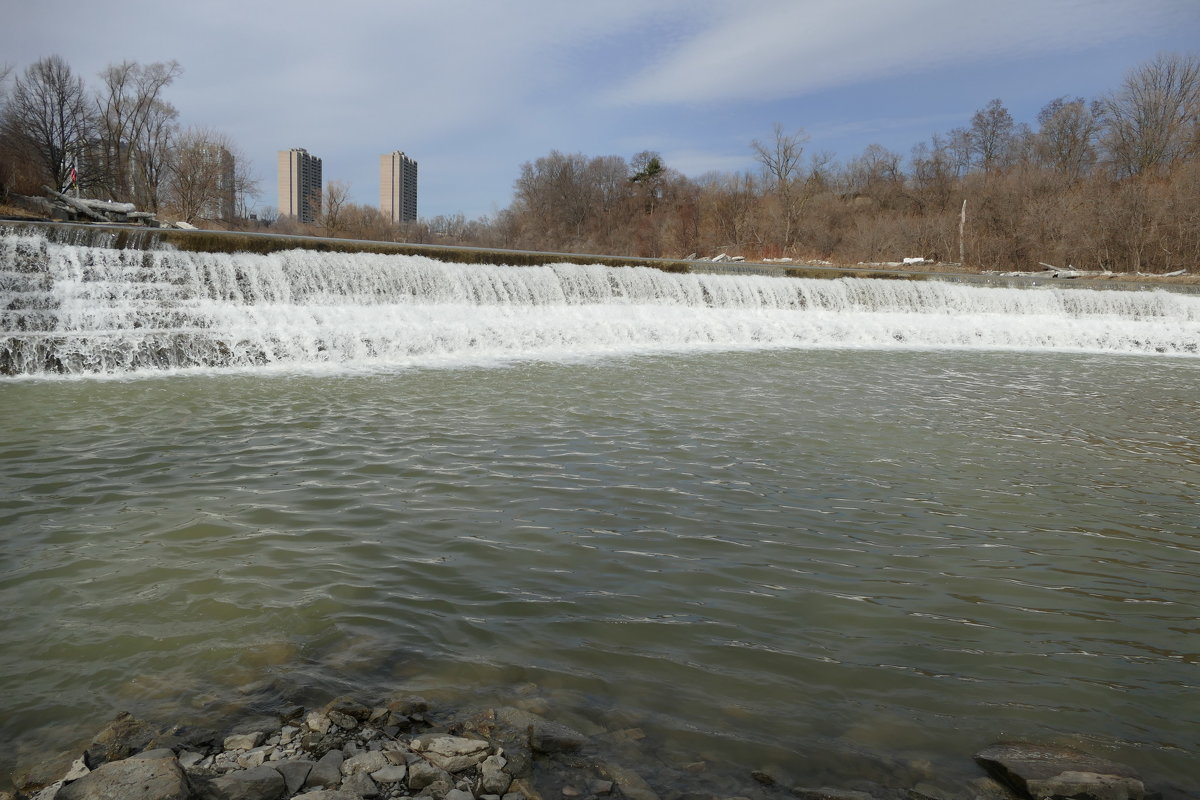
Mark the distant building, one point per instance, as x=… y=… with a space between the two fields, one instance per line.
x=299 y=185
x=398 y=187
x=223 y=202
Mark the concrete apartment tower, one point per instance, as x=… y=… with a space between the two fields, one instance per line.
x=398 y=187
x=299 y=185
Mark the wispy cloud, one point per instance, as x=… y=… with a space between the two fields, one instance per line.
x=767 y=49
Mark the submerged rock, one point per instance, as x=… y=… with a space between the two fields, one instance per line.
x=1050 y=771
x=131 y=779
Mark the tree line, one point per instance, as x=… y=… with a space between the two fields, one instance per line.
x=1111 y=182
x=117 y=140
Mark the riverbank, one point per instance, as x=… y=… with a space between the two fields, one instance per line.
x=403 y=746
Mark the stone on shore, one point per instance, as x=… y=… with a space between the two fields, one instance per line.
x=244 y=741
x=131 y=779
x=327 y=772
x=1050 y=771
x=258 y=783
x=827 y=793
x=294 y=773
x=451 y=753
x=119 y=739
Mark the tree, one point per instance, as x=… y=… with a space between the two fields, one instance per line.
x=1066 y=137
x=48 y=112
x=992 y=136
x=135 y=126
x=780 y=160
x=649 y=175
x=337 y=194
x=1154 y=119
x=207 y=177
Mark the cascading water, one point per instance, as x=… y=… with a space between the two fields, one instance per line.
x=82 y=308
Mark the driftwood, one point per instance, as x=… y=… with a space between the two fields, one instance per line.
x=103 y=210
x=78 y=205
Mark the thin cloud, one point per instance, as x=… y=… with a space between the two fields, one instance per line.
x=769 y=49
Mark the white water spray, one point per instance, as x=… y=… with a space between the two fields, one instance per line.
x=83 y=309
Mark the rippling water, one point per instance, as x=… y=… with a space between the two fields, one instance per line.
x=779 y=559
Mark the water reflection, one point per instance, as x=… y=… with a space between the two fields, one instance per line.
x=900 y=555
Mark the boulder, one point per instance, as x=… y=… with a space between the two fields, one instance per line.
x=131 y=779
x=260 y=783
x=390 y=774
x=421 y=774
x=294 y=773
x=451 y=753
x=551 y=737
x=492 y=777
x=369 y=762
x=1051 y=771
x=244 y=741
x=327 y=772
x=119 y=739
x=827 y=793
x=360 y=785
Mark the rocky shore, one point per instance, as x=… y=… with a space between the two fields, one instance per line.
x=401 y=748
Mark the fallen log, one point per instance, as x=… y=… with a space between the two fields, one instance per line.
x=78 y=205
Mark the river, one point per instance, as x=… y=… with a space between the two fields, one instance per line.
x=809 y=555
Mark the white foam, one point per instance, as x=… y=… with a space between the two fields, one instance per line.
x=115 y=311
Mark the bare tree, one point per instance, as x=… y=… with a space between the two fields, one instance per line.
x=135 y=125
x=992 y=130
x=1154 y=119
x=337 y=195
x=1066 y=137
x=206 y=176
x=780 y=160
x=49 y=112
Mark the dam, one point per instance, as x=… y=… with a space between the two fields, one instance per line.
x=830 y=528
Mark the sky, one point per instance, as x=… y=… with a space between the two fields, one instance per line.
x=473 y=89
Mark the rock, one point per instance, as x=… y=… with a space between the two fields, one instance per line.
x=119 y=739
x=1043 y=771
x=259 y=783
x=360 y=784
x=422 y=774
x=632 y=785
x=599 y=787
x=365 y=763
x=254 y=758
x=826 y=793
x=927 y=791
x=551 y=737
x=131 y=779
x=350 y=707
x=326 y=794
x=390 y=774
x=158 y=752
x=317 y=722
x=294 y=773
x=189 y=758
x=244 y=741
x=988 y=789
x=408 y=706
x=492 y=777
x=458 y=794
x=342 y=720
x=327 y=772
x=451 y=753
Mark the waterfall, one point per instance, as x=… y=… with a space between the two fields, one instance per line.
x=86 y=308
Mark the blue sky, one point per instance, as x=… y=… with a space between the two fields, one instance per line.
x=474 y=88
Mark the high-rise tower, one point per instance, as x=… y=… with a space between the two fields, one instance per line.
x=299 y=185
x=398 y=187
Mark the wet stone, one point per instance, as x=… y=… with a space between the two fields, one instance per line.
x=327 y=772
x=244 y=741
x=295 y=773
